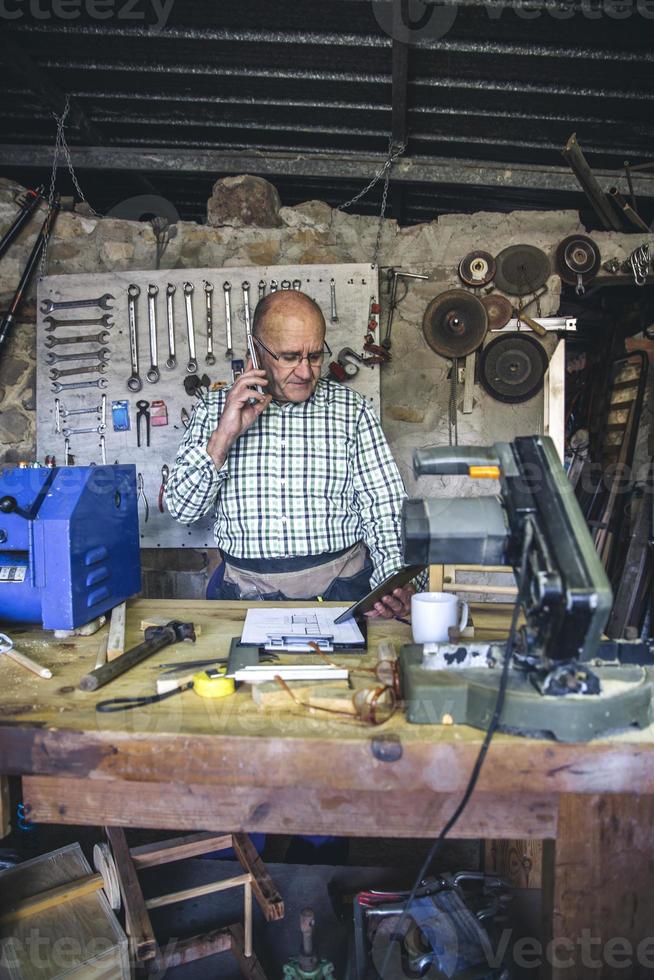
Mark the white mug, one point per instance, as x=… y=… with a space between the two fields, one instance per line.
x=432 y=615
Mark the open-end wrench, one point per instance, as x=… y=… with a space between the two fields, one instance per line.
x=103 y=450
x=246 y=307
x=192 y=364
x=332 y=291
x=227 y=292
x=208 y=292
x=88 y=356
x=274 y=285
x=262 y=288
x=153 y=371
x=170 y=313
x=99 y=383
x=100 y=410
x=297 y=284
x=49 y=305
x=134 y=382
x=89 y=428
x=56 y=373
x=89 y=338
x=92 y=321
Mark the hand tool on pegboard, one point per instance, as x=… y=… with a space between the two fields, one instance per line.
x=393 y=276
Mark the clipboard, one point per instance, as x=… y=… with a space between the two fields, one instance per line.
x=292 y=630
x=394 y=581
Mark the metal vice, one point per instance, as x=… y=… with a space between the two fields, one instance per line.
x=69 y=543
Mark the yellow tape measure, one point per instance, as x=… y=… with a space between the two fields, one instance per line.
x=212 y=683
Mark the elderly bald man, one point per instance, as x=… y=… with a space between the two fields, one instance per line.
x=306 y=494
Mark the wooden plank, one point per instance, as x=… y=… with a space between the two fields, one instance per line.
x=209 y=888
x=248 y=965
x=265 y=891
x=288 y=810
x=178 y=849
x=139 y=927
x=436 y=578
x=597 y=887
x=520 y=862
x=51 y=898
x=116 y=641
x=181 y=951
x=554 y=399
x=5 y=808
x=469 y=383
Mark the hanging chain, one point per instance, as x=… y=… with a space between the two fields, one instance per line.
x=395 y=150
x=61 y=146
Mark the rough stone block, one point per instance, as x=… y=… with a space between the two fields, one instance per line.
x=244 y=200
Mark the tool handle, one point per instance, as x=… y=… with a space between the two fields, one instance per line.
x=109 y=671
x=530 y=322
x=28 y=663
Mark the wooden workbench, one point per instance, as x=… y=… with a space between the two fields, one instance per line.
x=225 y=765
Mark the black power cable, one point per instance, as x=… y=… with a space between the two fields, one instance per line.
x=483 y=751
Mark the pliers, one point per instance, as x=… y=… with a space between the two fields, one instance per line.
x=143 y=413
x=165 y=473
x=141 y=495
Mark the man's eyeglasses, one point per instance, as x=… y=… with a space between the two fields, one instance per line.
x=315 y=358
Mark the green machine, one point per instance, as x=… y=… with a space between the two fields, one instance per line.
x=564 y=680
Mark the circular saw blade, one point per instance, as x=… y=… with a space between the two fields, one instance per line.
x=498 y=310
x=577 y=255
x=511 y=367
x=477 y=269
x=455 y=323
x=521 y=269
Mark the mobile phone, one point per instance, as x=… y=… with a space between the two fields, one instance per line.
x=252 y=351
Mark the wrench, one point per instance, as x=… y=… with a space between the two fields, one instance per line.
x=103 y=450
x=285 y=284
x=89 y=338
x=246 y=307
x=134 y=382
x=100 y=354
x=170 y=312
x=69 y=372
x=100 y=410
x=49 y=305
x=99 y=383
x=227 y=292
x=208 y=292
x=67 y=433
x=153 y=371
x=262 y=288
x=93 y=321
x=332 y=290
x=274 y=285
x=192 y=364
x=297 y=284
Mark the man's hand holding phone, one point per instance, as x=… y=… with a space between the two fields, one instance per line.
x=246 y=400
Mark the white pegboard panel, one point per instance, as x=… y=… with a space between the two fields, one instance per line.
x=355 y=284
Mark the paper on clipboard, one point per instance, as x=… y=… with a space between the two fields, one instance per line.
x=262 y=623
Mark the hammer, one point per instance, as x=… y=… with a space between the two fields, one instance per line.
x=156 y=638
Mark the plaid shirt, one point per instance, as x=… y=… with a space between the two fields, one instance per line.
x=306 y=478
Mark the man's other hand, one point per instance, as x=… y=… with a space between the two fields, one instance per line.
x=398 y=603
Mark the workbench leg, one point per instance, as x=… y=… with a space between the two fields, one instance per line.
x=598 y=882
x=5 y=815
x=520 y=862
x=264 y=888
x=249 y=966
x=143 y=943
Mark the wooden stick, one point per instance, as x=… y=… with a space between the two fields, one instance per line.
x=208 y=889
x=116 y=642
x=101 y=657
x=247 y=918
x=28 y=663
x=54 y=896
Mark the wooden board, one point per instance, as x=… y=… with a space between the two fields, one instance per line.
x=80 y=938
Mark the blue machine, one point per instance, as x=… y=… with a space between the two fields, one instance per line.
x=69 y=543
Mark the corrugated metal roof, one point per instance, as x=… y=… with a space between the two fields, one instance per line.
x=502 y=84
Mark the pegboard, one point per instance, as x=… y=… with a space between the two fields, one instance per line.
x=355 y=284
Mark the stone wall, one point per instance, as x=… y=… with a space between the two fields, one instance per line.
x=414 y=388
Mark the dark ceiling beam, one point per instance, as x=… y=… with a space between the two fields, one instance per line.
x=399 y=92
x=416 y=170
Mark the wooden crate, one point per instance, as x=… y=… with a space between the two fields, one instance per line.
x=79 y=938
